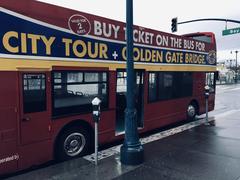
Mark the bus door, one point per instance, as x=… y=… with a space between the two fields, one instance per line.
x=121 y=103
x=34 y=111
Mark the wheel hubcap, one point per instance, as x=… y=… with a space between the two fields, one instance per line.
x=74 y=144
x=191 y=111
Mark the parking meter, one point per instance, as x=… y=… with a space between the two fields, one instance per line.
x=96 y=109
x=207 y=89
x=96 y=102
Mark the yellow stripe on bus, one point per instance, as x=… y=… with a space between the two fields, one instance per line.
x=20 y=64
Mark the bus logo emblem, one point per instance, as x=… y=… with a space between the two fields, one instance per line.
x=79 y=24
x=211 y=58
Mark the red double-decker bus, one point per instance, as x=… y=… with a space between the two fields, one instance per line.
x=54 y=61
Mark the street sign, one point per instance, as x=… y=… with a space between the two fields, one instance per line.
x=231 y=31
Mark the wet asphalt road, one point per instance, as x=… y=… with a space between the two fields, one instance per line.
x=201 y=153
x=227 y=98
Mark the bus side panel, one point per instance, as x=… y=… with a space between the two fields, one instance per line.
x=163 y=113
x=35 y=154
x=198 y=90
x=8 y=122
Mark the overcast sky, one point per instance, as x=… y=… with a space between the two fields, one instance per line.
x=157 y=14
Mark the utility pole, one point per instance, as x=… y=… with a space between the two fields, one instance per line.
x=236 y=72
x=131 y=152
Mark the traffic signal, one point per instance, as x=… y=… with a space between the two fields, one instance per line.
x=174 y=25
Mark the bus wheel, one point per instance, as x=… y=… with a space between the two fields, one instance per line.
x=72 y=142
x=191 y=112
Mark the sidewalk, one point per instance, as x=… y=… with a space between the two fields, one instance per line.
x=200 y=153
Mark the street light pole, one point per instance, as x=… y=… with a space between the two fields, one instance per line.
x=236 y=76
x=131 y=152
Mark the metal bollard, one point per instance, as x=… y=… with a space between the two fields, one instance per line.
x=96 y=118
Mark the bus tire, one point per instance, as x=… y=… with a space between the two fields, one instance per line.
x=72 y=142
x=191 y=111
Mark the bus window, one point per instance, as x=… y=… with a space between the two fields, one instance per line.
x=152 y=90
x=73 y=92
x=34 y=93
x=169 y=85
x=165 y=82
